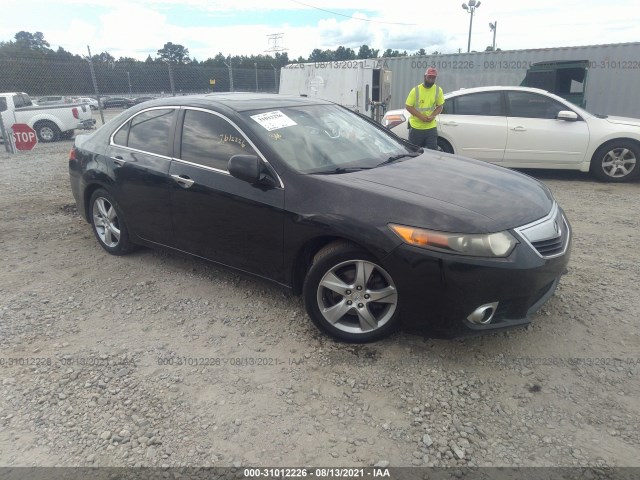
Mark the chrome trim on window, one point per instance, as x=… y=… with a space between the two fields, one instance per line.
x=115 y=132
x=164 y=157
x=204 y=167
x=553 y=226
x=186 y=107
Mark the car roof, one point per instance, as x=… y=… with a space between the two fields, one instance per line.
x=240 y=101
x=463 y=91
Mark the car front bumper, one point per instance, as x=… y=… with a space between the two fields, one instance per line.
x=438 y=292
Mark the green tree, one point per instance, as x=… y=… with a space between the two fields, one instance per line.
x=391 y=53
x=343 y=53
x=104 y=58
x=318 y=55
x=365 y=52
x=174 y=53
x=32 y=41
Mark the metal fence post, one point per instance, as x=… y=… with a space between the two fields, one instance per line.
x=173 y=87
x=8 y=143
x=95 y=84
x=230 y=74
x=255 y=65
x=275 y=78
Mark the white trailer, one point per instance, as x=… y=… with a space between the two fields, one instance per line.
x=361 y=85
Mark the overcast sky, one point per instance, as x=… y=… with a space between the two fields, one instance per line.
x=140 y=27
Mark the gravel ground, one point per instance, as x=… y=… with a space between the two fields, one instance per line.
x=154 y=359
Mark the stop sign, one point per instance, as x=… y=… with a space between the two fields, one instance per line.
x=24 y=136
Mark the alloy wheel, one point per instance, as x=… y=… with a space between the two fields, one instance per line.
x=357 y=296
x=105 y=221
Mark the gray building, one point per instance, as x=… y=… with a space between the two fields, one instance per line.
x=609 y=82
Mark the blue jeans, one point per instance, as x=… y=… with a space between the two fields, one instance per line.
x=424 y=138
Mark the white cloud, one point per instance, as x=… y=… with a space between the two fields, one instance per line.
x=141 y=29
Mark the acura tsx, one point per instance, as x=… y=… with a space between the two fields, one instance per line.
x=372 y=231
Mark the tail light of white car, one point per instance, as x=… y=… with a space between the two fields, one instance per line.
x=393 y=120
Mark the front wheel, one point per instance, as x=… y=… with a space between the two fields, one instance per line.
x=616 y=161
x=108 y=224
x=349 y=295
x=444 y=146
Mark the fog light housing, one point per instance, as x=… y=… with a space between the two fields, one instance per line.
x=483 y=314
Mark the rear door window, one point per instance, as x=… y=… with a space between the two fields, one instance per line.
x=485 y=104
x=150 y=131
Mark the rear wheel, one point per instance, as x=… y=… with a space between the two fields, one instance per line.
x=108 y=224
x=617 y=161
x=47 y=131
x=349 y=295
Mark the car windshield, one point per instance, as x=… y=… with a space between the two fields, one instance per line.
x=325 y=138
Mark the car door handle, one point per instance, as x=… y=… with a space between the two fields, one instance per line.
x=519 y=129
x=183 y=180
x=450 y=124
x=119 y=161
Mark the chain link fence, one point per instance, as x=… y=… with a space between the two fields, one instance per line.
x=64 y=81
x=39 y=77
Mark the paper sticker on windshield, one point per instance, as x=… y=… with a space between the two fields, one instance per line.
x=273 y=120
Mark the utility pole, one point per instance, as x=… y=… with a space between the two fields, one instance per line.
x=494 y=28
x=471 y=8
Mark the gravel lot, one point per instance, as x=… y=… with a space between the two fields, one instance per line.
x=154 y=359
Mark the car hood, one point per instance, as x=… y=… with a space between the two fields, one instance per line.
x=446 y=193
x=635 y=122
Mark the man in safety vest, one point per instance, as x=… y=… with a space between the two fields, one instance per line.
x=425 y=102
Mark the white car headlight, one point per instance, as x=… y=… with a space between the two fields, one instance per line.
x=499 y=244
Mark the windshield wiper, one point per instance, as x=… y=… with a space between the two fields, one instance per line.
x=342 y=170
x=395 y=158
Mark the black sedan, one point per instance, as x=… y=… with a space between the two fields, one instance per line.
x=137 y=100
x=370 y=230
x=114 y=102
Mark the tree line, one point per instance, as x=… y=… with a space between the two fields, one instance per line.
x=35 y=46
x=29 y=64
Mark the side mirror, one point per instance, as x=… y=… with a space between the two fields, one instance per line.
x=249 y=168
x=3 y=104
x=567 y=115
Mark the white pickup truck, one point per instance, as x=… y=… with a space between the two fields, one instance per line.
x=51 y=123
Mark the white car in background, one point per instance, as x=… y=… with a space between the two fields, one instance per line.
x=92 y=102
x=521 y=127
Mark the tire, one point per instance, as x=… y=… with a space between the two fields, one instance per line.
x=444 y=146
x=47 y=131
x=342 y=305
x=616 y=161
x=108 y=224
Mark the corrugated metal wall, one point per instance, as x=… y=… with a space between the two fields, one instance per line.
x=613 y=81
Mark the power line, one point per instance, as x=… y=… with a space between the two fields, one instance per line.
x=354 y=18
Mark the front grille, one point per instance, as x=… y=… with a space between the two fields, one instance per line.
x=549 y=236
x=549 y=247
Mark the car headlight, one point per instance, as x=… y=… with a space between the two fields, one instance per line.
x=498 y=244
